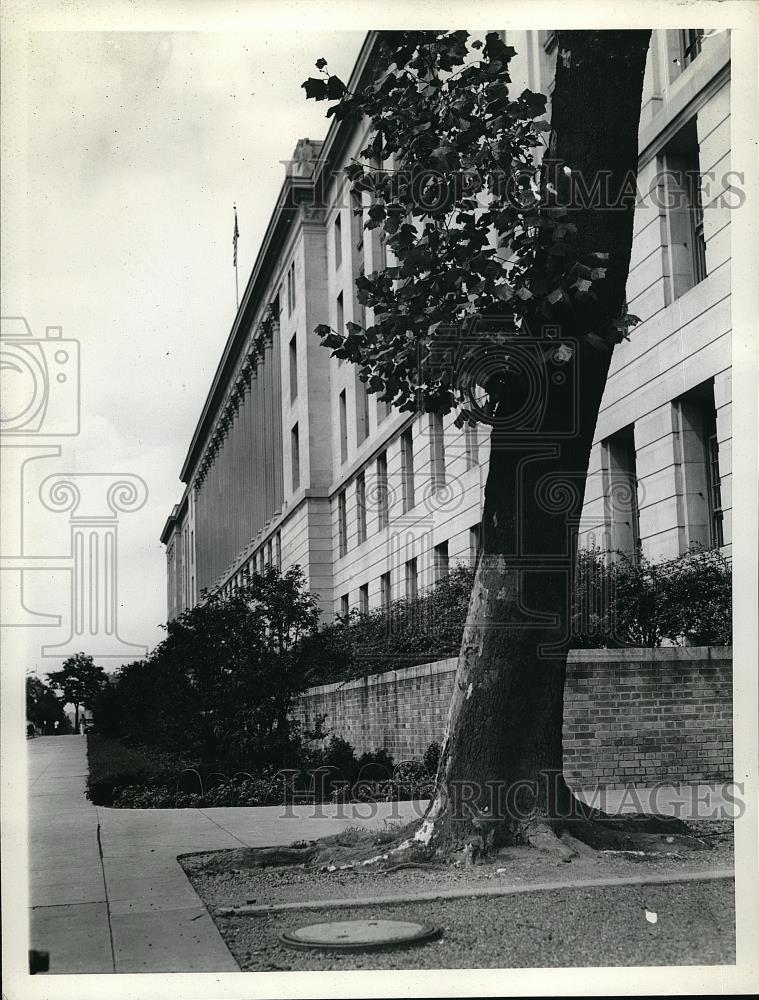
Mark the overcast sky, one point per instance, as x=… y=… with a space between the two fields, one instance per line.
x=139 y=143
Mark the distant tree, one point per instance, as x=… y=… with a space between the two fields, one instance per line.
x=79 y=681
x=43 y=707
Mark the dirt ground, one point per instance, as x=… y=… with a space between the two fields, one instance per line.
x=579 y=926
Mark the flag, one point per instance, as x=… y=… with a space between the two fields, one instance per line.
x=235 y=238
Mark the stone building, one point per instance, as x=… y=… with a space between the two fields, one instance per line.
x=293 y=462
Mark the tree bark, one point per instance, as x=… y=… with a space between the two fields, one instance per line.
x=500 y=778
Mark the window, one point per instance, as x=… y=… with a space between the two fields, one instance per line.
x=684 y=246
x=340 y=322
x=345 y=605
x=690 y=45
x=342 y=523
x=363 y=599
x=362 y=411
x=621 y=492
x=437 y=451
x=270 y=552
x=700 y=484
x=291 y=288
x=475 y=541
x=295 y=456
x=471 y=446
x=278 y=549
x=383 y=410
x=340 y=315
x=361 y=506
x=441 y=561
x=412 y=579
x=407 y=469
x=357 y=219
x=385 y=590
x=293 y=367
x=383 y=504
x=338 y=236
x=549 y=45
x=715 y=491
x=343 y=404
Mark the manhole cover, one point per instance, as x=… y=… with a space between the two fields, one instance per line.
x=344 y=935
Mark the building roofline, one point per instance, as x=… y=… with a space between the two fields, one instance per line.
x=285 y=211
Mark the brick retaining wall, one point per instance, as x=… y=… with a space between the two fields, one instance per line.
x=630 y=715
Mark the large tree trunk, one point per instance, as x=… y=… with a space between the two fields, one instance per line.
x=500 y=776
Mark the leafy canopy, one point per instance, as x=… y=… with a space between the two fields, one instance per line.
x=79 y=680
x=450 y=176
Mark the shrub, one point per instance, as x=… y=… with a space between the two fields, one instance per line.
x=220 y=687
x=621 y=602
x=407 y=633
x=431 y=759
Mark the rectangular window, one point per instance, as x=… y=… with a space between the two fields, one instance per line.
x=471 y=446
x=698 y=460
x=342 y=523
x=383 y=410
x=293 y=367
x=362 y=411
x=621 y=492
x=363 y=599
x=441 y=561
x=278 y=549
x=685 y=248
x=385 y=590
x=412 y=580
x=295 y=456
x=343 y=417
x=690 y=45
x=345 y=605
x=383 y=501
x=407 y=469
x=338 y=237
x=361 y=506
x=357 y=219
x=270 y=552
x=437 y=451
x=340 y=321
x=291 y=289
x=715 y=491
x=340 y=315
x=475 y=536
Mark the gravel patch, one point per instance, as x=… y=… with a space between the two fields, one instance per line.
x=557 y=927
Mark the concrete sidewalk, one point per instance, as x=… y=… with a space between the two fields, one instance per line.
x=106 y=891
x=108 y=895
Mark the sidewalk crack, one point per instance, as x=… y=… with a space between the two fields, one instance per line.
x=105 y=890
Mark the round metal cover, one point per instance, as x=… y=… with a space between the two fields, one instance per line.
x=346 y=935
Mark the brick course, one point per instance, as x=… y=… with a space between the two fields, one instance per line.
x=640 y=715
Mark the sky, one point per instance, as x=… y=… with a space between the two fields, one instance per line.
x=137 y=146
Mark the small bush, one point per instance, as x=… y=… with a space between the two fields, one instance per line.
x=431 y=759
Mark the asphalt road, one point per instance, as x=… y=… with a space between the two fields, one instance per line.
x=694 y=925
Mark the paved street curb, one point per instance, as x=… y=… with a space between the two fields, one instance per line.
x=508 y=890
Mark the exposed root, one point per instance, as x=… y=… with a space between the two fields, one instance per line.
x=544 y=838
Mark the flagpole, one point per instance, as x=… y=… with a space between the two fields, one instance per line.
x=235 y=238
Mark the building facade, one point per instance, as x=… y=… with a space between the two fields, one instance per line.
x=293 y=462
